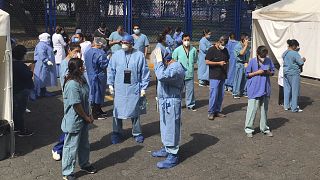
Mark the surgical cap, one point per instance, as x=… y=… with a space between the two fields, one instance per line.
x=45 y=37
x=128 y=39
x=100 y=41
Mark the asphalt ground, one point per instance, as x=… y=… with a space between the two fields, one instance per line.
x=216 y=149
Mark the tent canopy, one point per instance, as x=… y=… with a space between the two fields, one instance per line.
x=273 y=25
x=290 y=10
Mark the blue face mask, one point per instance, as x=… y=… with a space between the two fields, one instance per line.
x=75 y=40
x=297 y=49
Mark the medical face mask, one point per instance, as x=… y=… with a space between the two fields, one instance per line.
x=78 y=55
x=136 y=31
x=186 y=43
x=297 y=49
x=75 y=40
x=125 y=47
x=221 y=47
x=208 y=36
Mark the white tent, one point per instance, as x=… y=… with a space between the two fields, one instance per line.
x=290 y=19
x=6 y=72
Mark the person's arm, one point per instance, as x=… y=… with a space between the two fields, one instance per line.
x=112 y=41
x=249 y=68
x=145 y=74
x=210 y=56
x=164 y=74
x=244 y=48
x=103 y=61
x=146 y=45
x=270 y=72
x=111 y=72
x=61 y=40
x=79 y=110
x=300 y=61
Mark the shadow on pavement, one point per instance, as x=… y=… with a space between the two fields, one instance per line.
x=273 y=123
x=233 y=108
x=202 y=103
x=114 y=158
x=196 y=145
x=148 y=130
x=305 y=101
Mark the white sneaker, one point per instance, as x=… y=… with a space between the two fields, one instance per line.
x=56 y=156
x=28 y=110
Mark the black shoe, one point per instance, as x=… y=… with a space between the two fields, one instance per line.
x=89 y=169
x=70 y=177
x=25 y=133
x=192 y=108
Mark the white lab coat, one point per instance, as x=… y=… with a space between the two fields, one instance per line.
x=84 y=47
x=58 y=45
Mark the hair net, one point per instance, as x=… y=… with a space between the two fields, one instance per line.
x=100 y=41
x=45 y=37
x=128 y=39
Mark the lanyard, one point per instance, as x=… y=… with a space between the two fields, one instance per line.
x=128 y=60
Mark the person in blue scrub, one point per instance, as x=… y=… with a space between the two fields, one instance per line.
x=96 y=63
x=186 y=54
x=161 y=39
x=242 y=54
x=141 y=41
x=170 y=75
x=45 y=74
x=74 y=50
x=128 y=79
x=177 y=37
x=258 y=72
x=75 y=121
x=232 y=61
x=217 y=58
x=203 y=68
x=292 y=67
x=169 y=40
x=115 y=39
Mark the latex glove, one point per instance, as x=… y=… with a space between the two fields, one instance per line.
x=49 y=63
x=142 y=93
x=158 y=55
x=111 y=90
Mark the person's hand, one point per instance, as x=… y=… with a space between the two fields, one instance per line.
x=246 y=42
x=111 y=90
x=259 y=72
x=142 y=93
x=222 y=63
x=245 y=65
x=49 y=63
x=89 y=119
x=158 y=55
x=304 y=59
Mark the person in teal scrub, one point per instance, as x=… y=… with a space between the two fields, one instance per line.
x=75 y=121
x=115 y=39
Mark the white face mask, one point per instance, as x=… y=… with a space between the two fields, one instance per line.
x=208 y=36
x=221 y=47
x=79 y=55
x=125 y=47
x=186 y=43
x=136 y=31
x=262 y=59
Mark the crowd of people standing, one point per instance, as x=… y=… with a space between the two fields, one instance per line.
x=89 y=64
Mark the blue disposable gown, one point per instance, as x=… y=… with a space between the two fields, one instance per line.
x=232 y=62
x=96 y=63
x=170 y=86
x=126 y=96
x=44 y=75
x=203 y=68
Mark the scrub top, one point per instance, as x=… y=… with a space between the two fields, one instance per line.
x=74 y=93
x=115 y=36
x=141 y=42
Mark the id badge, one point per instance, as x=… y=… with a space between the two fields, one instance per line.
x=127 y=77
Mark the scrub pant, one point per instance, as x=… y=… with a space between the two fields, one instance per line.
x=20 y=100
x=170 y=123
x=59 y=146
x=240 y=81
x=281 y=95
x=136 y=125
x=291 y=87
x=253 y=106
x=216 y=96
x=190 y=99
x=75 y=144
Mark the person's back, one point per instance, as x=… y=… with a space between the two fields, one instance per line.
x=292 y=62
x=173 y=87
x=91 y=63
